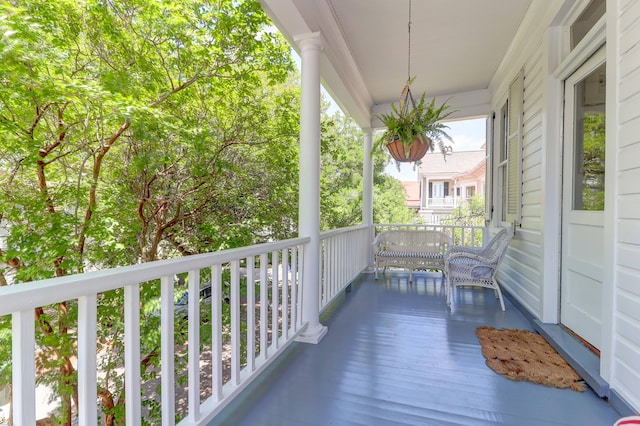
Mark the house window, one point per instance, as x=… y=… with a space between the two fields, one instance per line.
x=490 y=173
x=501 y=166
x=508 y=152
x=470 y=192
x=587 y=19
x=514 y=149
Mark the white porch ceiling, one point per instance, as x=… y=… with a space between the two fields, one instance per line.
x=456 y=47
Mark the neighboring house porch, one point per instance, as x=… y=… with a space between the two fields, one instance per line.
x=446 y=182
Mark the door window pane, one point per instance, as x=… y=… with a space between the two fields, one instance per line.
x=589 y=143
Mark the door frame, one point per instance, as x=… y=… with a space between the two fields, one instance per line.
x=558 y=62
x=580 y=218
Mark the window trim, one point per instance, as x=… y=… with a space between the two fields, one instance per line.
x=514 y=150
x=506 y=173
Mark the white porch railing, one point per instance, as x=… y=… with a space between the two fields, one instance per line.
x=435 y=202
x=243 y=341
x=345 y=254
x=471 y=236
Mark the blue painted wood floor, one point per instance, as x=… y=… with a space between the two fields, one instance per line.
x=396 y=355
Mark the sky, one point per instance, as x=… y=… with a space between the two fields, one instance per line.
x=467 y=135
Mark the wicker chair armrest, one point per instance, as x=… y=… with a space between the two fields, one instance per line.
x=463 y=249
x=466 y=249
x=466 y=257
x=471 y=266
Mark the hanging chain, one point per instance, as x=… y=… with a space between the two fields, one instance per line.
x=406 y=91
x=409 y=49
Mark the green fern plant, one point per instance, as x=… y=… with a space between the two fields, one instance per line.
x=422 y=122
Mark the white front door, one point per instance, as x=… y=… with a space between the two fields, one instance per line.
x=583 y=200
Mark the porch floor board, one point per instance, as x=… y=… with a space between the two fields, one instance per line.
x=396 y=355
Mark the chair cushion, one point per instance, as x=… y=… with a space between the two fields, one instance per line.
x=481 y=273
x=410 y=254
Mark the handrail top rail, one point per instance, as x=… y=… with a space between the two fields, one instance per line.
x=382 y=227
x=28 y=295
x=334 y=232
x=424 y=225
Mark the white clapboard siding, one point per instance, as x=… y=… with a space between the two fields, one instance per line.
x=626 y=362
x=521 y=270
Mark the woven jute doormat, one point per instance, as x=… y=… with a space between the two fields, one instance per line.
x=524 y=355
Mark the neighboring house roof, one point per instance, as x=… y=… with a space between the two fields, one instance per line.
x=411 y=193
x=456 y=164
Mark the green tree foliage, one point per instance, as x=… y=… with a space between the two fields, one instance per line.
x=132 y=131
x=138 y=130
x=389 y=205
x=341 y=178
x=341 y=172
x=469 y=212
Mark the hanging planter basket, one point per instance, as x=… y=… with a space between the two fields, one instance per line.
x=418 y=150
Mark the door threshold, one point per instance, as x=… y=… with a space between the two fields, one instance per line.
x=588 y=345
x=582 y=359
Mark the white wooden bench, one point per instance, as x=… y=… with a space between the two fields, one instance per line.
x=411 y=250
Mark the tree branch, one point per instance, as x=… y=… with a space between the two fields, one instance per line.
x=97 y=165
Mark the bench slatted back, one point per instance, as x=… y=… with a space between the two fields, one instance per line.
x=413 y=240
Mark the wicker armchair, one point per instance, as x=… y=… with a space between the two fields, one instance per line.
x=477 y=266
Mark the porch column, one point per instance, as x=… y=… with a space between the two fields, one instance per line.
x=428 y=204
x=367 y=190
x=367 y=179
x=309 y=192
x=455 y=189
